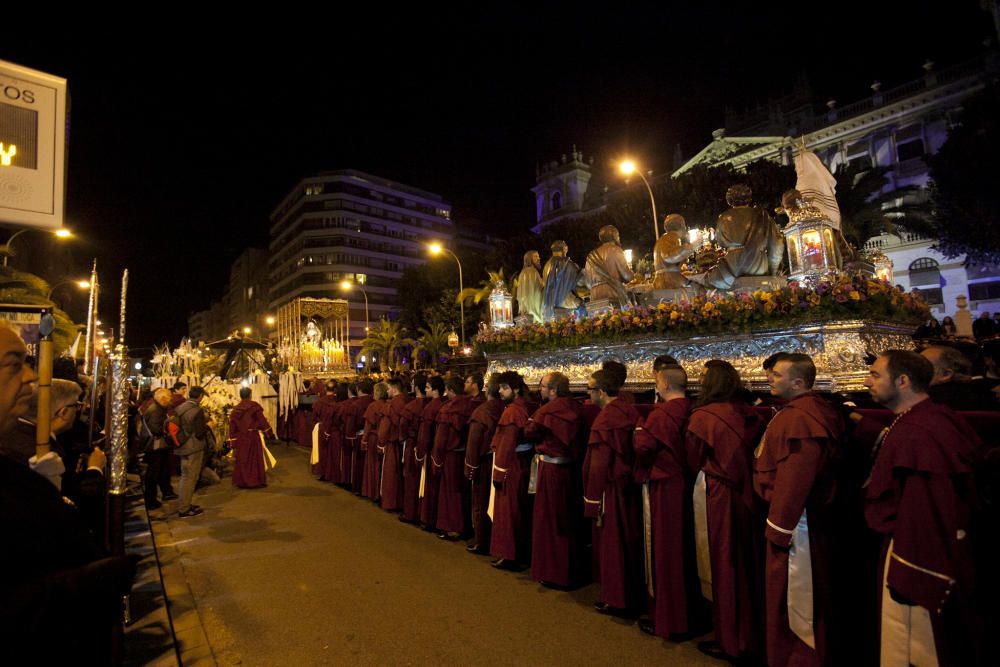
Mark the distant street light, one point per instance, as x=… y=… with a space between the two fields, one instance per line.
x=82 y=284
x=628 y=167
x=346 y=286
x=246 y=331
x=270 y=320
x=436 y=249
x=7 y=251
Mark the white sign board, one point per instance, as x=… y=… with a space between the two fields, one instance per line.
x=32 y=147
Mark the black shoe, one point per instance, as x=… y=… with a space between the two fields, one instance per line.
x=448 y=537
x=194 y=511
x=170 y=496
x=608 y=610
x=153 y=505
x=405 y=520
x=472 y=548
x=713 y=650
x=647 y=626
x=506 y=564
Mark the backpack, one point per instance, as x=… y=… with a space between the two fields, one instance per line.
x=174 y=431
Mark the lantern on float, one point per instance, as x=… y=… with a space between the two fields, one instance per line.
x=812 y=250
x=453 y=341
x=501 y=307
x=882 y=264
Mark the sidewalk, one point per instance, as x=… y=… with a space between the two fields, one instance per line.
x=149 y=638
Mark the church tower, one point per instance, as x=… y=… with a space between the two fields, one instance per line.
x=560 y=189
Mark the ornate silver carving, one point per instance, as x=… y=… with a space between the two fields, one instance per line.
x=118 y=431
x=838 y=349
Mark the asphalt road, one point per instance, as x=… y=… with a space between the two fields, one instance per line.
x=304 y=573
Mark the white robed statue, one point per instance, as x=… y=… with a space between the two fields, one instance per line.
x=816 y=185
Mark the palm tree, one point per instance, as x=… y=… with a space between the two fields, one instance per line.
x=385 y=342
x=21 y=287
x=866 y=210
x=433 y=341
x=476 y=295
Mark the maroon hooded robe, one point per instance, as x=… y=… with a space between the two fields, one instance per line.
x=390 y=445
x=447 y=457
x=720 y=440
x=409 y=427
x=332 y=430
x=372 y=471
x=321 y=411
x=425 y=440
x=511 y=504
x=922 y=497
x=661 y=461
x=612 y=498
x=354 y=456
x=555 y=428
x=795 y=470
x=479 y=467
x=246 y=423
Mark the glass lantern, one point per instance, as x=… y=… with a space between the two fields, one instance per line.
x=501 y=307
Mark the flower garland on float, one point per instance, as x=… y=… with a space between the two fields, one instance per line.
x=836 y=296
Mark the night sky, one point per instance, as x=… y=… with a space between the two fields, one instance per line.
x=186 y=132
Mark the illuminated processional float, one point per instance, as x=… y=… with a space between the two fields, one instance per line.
x=723 y=293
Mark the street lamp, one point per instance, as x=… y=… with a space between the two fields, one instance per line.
x=346 y=286
x=437 y=249
x=7 y=251
x=628 y=167
x=82 y=284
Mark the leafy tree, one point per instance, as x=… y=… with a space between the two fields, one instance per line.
x=966 y=201
x=432 y=343
x=25 y=288
x=866 y=209
x=385 y=342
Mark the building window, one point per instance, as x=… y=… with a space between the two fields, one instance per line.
x=925 y=272
x=910 y=150
x=556 y=200
x=984 y=291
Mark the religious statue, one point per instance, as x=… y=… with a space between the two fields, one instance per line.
x=529 y=287
x=312 y=334
x=753 y=244
x=560 y=277
x=606 y=271
x=814 y=199
x=669 y=253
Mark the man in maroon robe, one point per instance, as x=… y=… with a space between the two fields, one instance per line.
x=390 y=446
x=510 y=542
x=612 y=498
x=661 y=464
x=555 y=429
x=409 y=428
x=921 y=496
x=447 y=458
x=722 y=433
x=354 y=424
x=425 y=441
x=246 y=424
x=479 y=464
x=322 y=409
x=371 y=471
x=795 y=473
x=332 y=429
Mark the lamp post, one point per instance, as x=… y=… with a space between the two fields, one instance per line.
x=82 y=284
x=346 y=286
x=7 y=251
x=628 y=167
x=437 y=249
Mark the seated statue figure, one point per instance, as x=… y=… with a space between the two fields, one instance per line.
x=606 y=271
x=669 y=253
x=559 y=277
x=529 y=287
x=754 y=246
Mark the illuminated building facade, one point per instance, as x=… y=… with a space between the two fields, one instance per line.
x=349 y=225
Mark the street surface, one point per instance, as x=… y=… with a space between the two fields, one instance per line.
x=305 y=573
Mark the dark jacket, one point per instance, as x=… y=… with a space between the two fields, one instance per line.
x=155 y=417
x=193 y=422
